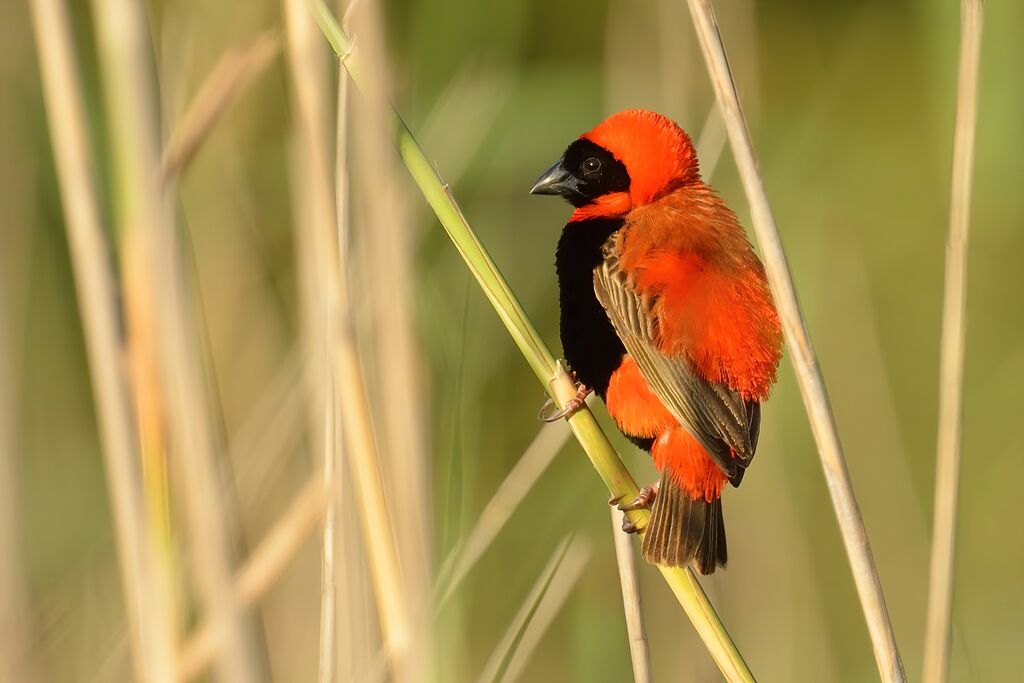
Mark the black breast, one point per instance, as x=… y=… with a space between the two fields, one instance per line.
x=589 y=342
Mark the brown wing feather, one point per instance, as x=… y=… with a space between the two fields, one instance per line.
x=718 y=417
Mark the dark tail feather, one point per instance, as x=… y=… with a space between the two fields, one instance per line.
x=684 y=530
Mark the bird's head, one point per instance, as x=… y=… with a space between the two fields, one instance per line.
x=628 y=160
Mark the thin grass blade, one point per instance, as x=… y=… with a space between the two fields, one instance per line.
x=510 y=494
x=565 y=579
x=501 y=657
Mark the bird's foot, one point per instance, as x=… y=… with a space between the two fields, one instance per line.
x=643 y=501
x=627 y=526
x=631 y=527
x=570 y=407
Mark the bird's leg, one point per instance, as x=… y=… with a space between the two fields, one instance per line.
x=570 y=407
x=644 y=500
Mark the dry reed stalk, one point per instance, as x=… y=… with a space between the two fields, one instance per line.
x=356 y=640
x=492 y=519
x=149 y=612
x=121 y=41
x=391 y=355
x=328 y=565
x=639 y=653
x=951 y=365
x=259 y=572
x=360 y=447
x=161 y=338
x=311 y=205
x=331 y=570
x=273 y=428
x=805 y=363
x=231 y=76
x=194 y=455
x=234 y=72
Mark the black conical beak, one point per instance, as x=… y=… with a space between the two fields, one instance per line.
x=556 y=180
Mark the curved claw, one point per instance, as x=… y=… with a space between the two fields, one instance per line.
x=644 y=500
x=570 y=407
x=631 y=527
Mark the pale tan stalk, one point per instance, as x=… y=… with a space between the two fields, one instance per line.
x=154 y=275
x=260 y=571
x=313 y=206
x=233 y=74
x=391 y=350
x=805 y=363
x=195 y=457
x=123 y=51
x=303 y=47
x=331 y=570
x=356 y=635
x=639 y=652
x=149 y=614
x=951 y=360
x=328 y=565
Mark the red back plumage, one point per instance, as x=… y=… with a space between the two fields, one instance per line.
x=684 y=247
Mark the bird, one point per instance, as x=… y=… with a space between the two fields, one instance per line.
x=665 y=314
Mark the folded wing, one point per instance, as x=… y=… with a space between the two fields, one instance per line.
x=721 y=420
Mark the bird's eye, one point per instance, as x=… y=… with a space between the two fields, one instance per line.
x=592 y=165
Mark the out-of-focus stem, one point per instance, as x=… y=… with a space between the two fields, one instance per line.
x=638 y=651
x=951 y=362
x=259 y=572
x=149 y=606
x=350 y=387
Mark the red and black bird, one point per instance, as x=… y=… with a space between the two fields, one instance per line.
x=666 y=314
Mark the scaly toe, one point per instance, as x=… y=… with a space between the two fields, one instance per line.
x=637 y=504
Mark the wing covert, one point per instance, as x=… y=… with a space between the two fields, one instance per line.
x=719 y=418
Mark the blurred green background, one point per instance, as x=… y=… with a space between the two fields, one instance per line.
x=851 y=107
